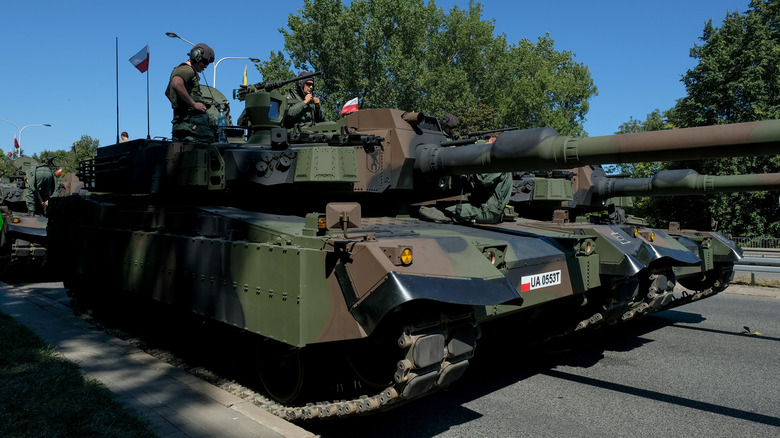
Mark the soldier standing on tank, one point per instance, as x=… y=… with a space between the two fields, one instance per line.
x=302 y=106
x=190 y=120
x=41 y=185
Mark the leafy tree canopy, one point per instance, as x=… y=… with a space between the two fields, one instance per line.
x=736 y=79
x=412 y=55
x=83 y=149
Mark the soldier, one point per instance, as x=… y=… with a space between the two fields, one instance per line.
x=41 y=185
x=190 y=120
x=490 y=192
x=448 y=124
x=302 y=106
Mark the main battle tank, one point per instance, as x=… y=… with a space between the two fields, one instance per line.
x=305 y=238
x=589 y=189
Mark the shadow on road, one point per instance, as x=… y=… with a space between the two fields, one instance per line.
x=503 y=358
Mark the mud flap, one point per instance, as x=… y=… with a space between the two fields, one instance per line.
x=397 y=289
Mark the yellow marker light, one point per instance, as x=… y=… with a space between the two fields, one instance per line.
x=321 y=223
x=16 y=220
x=406 y=256
x=636 y=232
x=652 y=236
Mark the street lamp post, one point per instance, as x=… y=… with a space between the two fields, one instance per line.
x=214 y=82
x=173 y=35
x=19 y=139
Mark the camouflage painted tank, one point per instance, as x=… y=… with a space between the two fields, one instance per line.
x=307 y=238
x=23 y=236
x=589 y=189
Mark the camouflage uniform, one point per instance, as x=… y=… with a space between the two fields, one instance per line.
x=299 y=112
x=188 y=123
x=491 y=192
x=41 y=185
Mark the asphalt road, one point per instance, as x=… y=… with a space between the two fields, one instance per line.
x=697 y=370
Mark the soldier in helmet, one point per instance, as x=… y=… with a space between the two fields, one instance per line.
x=448 y=124
x=41 y=185
x=190 y=120
x=302 y=105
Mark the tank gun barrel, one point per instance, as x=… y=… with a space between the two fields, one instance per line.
x=686 y=182
x=545 y=149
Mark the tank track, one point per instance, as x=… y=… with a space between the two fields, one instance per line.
x=436 y=353
x=660 y=296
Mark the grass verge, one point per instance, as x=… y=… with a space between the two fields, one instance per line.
x=744 y=279
x=43 y=395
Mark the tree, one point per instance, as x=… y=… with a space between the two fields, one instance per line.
x=414 y=56
x=83 y=149
x=736 y=79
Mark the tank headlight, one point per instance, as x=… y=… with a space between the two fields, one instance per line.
x=406 y=256
x=491 y=256
x=585 y=247
x=399 y=255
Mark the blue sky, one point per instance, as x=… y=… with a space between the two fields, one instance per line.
x=59 y=62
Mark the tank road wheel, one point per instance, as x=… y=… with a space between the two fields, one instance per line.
x=280 y=368
x=374 y=360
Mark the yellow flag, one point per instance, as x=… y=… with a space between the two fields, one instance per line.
x=245 y=74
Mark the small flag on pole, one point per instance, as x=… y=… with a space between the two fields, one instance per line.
x=59 y=172
x=16 y=143
x=245 y=74
x=350 y=107
x=141 y=60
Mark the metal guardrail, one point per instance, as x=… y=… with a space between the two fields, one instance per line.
x=761 y=252
x=757 y=242
x=758 y=260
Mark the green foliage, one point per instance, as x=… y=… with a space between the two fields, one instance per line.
x=6 y=166
x=277 y=68
x=736 y=79
x=414 y=56
x=83 y=149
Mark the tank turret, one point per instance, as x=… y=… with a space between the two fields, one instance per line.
x=405 y=155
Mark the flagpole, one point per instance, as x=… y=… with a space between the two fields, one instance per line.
x=117 y=90
x=148 y=70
